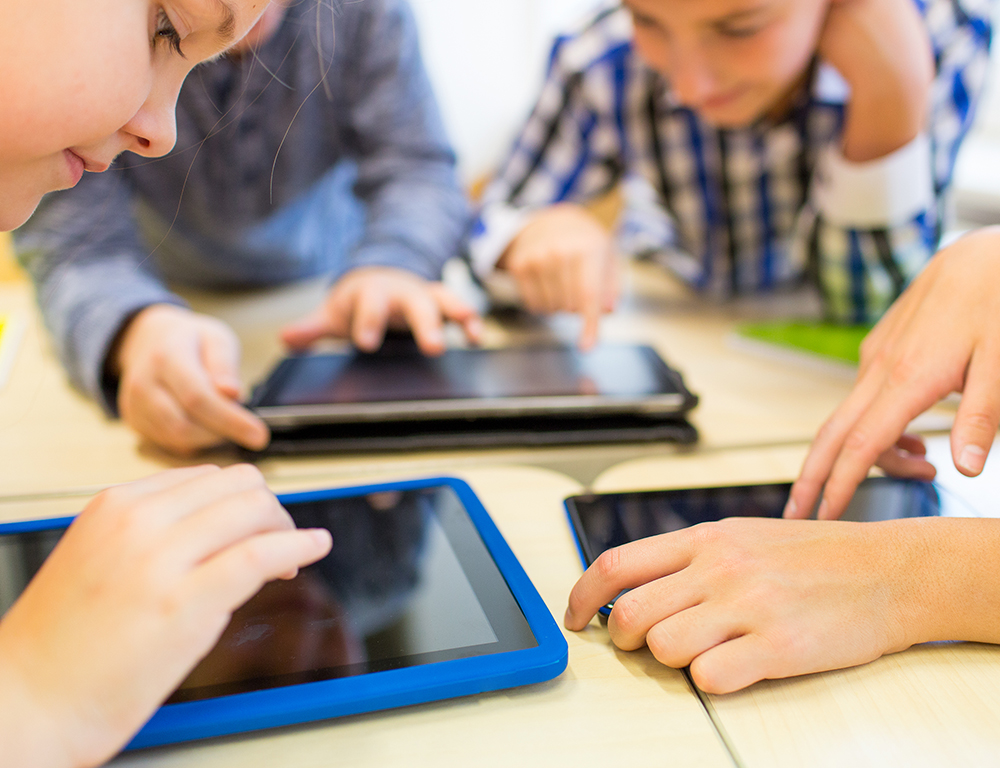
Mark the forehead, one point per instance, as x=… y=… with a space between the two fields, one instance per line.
x=675 y=11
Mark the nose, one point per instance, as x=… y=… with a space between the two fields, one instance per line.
x=152 y=131
x=691 y=77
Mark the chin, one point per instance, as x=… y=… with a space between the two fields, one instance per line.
x=15 y=210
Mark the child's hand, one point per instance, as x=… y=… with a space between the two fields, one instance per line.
x=367 y=301
x=179 y=381
x=941 y=336
x=135 y=594
x=749 y=599
x=564 y=261
x=882 y=49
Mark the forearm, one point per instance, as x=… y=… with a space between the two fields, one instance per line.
x=949 y=582
x=883 y=116
x=417 y=218
x=28 y=733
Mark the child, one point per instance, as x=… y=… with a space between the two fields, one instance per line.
x=774 y=140
x=742 y=600
x=143 y=583
x=291 y=162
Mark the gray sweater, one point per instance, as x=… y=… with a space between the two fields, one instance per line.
x=353 y=117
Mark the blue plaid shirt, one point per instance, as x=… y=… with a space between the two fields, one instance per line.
x=742 y=210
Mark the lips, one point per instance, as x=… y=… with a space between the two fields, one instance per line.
x=76 y=166
x=89 y=164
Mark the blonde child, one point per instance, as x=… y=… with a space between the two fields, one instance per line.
x=144 y=581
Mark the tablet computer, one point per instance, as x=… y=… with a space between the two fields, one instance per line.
x=603 y=521
x=420 y=599
x=398 y=383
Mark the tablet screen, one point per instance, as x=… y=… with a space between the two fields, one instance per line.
x=409 y=581
x=478 y=375
x=605 y=521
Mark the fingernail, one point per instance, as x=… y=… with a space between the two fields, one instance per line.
x=824 y=507
x=369 y=340
x=972 y=459
x=567 y=618
x=791 y=508
x=321 y=536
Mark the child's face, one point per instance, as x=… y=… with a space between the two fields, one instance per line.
x=81 y=83
x=733 y=61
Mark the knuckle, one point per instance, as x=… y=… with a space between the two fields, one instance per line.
x=980 y=420
x=609 y=565
x=857 y=441
x=903 y=371
x=664 y=647
x=628 y=613
x=247 y=475
x=192 y=400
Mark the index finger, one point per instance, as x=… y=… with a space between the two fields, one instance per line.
x=625 y=567
x=188 y=382
x=826 y=447
x=423 y=316
x=878 y=428
x=590 y=301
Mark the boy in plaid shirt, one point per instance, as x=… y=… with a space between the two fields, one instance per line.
x=776 y=139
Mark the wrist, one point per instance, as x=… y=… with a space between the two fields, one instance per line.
x=946 y=585
x=29 y=731
x=881 y=120
x=132 y=331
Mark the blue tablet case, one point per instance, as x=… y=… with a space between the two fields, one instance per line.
x=377 y=690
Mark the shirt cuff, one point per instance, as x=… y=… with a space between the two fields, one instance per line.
x=496 y=227
x=875 y=194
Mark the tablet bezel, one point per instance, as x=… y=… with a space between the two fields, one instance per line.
x=306 y=702
x=287 y=416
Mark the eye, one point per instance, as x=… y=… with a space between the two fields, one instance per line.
x=642 y=21
x=740 y=31
x=166 y=32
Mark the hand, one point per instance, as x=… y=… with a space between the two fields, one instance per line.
x=564 y=261
x=138 y=590
x=179 y=381
x=747 y=599
x=367 y=301
x=941 y=336
x=883 y=50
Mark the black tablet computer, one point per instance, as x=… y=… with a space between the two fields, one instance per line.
x=603 y=521
x=420 y=599
x=398 y=383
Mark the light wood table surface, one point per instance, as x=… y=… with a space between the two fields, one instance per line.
x=932 y=705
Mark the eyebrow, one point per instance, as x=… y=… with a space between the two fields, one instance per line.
x=226 y=31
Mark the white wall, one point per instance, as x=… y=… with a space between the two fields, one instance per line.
x=487 y=59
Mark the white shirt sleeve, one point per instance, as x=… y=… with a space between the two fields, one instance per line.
x=876 y=194
x=499 y=224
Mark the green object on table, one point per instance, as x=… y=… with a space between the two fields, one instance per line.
x=837 y=342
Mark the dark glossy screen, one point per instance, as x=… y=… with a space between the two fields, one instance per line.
x=606 y=521
x=409 y=581
x=406 y=375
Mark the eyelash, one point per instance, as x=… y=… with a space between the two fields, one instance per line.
x=741 y=32
x=166 y=32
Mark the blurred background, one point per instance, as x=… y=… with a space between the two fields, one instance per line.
x=487 y=59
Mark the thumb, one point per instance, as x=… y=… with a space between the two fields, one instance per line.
x=220 y=354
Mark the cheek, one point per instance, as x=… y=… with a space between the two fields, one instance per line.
x=80 y=87
x=786 y=49
x=652 y=49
